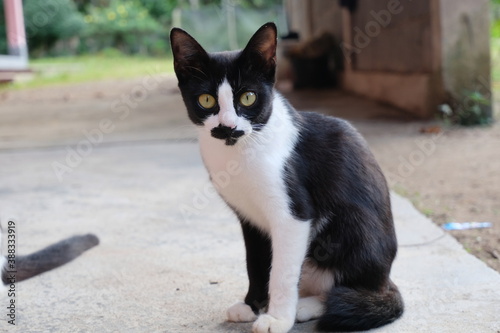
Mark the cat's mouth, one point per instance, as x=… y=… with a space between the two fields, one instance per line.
x=230 y=135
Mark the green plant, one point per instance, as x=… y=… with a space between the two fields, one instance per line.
x=427 y=212
x=160 y=10
x=3 y=35
x=469 y=109
x=495 y=29
x=244 y=3
x=50 y=21
x=473 y=109
x=120 y=17
x=125 y=25
x=495 y=18
x=495 y=48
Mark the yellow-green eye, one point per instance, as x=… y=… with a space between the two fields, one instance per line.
x=206 y=101
x=248 y=98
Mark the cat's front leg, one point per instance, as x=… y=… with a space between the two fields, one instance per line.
x=290 y=240
x=258 y=257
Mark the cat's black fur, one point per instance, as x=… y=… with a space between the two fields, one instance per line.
x=24 y=267
x=340 y=187
x=258 y=257
x=332 y=180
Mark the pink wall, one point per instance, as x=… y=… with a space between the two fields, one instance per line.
x=16 y=35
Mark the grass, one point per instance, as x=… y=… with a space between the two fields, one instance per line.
x=495 y=61
x=428 y=212
x=495 y=73
x=68 y=70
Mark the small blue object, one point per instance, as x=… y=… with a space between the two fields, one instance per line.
x=465 y=225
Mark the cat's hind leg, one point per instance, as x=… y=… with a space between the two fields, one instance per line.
x=315 y=285
x=310 y=308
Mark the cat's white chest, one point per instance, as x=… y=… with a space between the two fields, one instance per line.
x=250 y=184
x=249 y=176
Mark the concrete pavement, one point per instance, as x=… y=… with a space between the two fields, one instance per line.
x=171 y=257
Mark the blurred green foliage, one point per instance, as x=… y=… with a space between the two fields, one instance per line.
x=495 y=43
x=126 y=25
x=3 y=35
x=161 y=10
x=255 y=4
x=49 y=21
x=46 y=23
x=471 y=111
x=120 y=17
x=495 y=29
x=65 y=27
x=495 y=19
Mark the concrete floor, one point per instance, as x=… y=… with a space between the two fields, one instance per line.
x=171 y=258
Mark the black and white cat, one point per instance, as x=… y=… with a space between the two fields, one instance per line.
x=313 y=204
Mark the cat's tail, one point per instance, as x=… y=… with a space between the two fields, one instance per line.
x=18 y=268
x=350 y=310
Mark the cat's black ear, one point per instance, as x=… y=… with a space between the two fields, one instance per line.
x=189 y=56
x=262 y=47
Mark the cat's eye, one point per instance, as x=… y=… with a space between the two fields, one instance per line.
x=206 y=101
x=248 y=98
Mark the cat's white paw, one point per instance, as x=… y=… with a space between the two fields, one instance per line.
x=269 y=324
x=240 y=313
x=309 y=308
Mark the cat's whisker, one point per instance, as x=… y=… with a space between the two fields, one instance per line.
x=257 y=127
x=245 y=139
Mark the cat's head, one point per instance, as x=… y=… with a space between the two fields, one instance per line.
x=229 y=94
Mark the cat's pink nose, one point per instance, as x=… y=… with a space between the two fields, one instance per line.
x=227 y=119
